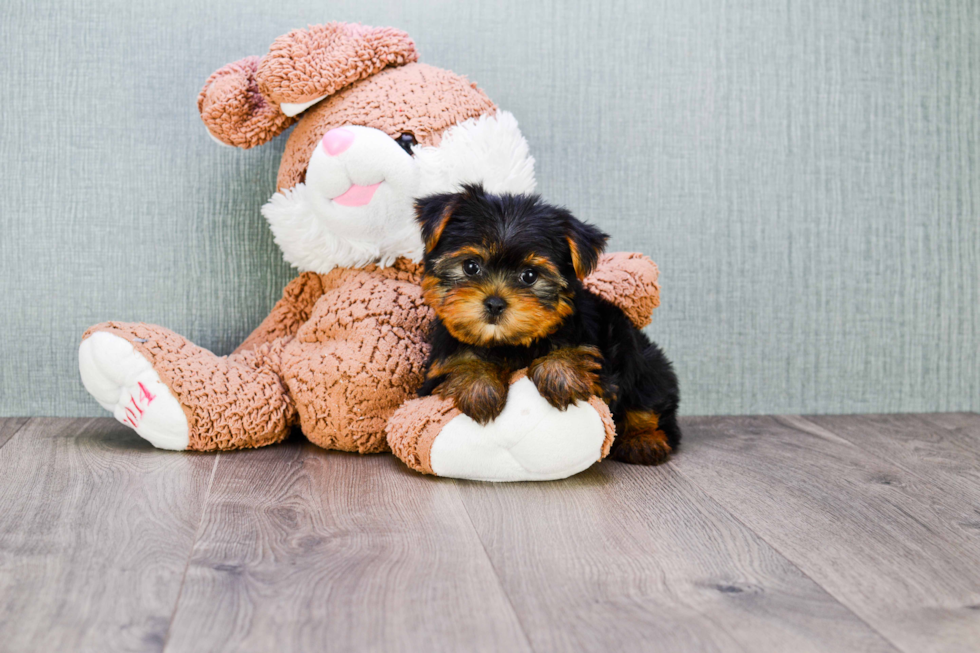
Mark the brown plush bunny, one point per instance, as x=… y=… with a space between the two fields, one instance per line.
x=341 y=354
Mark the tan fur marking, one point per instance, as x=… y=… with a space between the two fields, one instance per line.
x=567 y=375
x=543 y=263
x=576 y=258
x=640 y=440
x=433 y=239
x=478 y=387
x=524 y=320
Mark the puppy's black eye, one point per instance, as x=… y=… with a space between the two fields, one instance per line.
x=406 y=141
x=471 y=267
x=529 y=276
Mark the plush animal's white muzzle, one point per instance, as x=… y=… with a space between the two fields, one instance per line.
x=355 y=205
x=359 y=177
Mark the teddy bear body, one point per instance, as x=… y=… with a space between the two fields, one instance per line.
x=341 y=355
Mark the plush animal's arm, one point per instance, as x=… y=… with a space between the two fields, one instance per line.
x=628 y=280
x=289 y=313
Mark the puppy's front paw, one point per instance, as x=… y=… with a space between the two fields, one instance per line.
x=567 y=375
x=481 y=399
x=479 y=388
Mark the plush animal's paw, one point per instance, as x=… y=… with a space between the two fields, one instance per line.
x=529 y=441
x=567 y=375
x=124 y=382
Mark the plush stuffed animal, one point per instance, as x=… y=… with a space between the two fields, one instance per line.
x=341 y=354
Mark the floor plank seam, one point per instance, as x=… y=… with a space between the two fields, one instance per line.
x=897 y=463
x=190 y=554
x=924 y=420
x=790 y=561
x=486 y=555
x=882 y=508
x=879 y=457
x=17 y=431
x=934 y=424
x=870 y=452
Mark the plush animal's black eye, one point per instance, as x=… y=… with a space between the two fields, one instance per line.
x=406 y=141
x=471 y=267
x=529 y=276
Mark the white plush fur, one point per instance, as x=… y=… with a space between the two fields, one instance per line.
x=489 y=150
x=295 y=108
x=218 y=140
x=317 y=234
x=529 y=441
x=112 y=371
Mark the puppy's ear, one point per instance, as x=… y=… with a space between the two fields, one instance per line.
x=586 y=242
x=433 y=213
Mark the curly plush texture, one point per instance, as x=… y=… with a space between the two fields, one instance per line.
x=414 y=427
x=415 y=98
x=341 y=352
x=628 y=280
x=234 y=110
x=608 y=425
x=340 y=373
x=305 y=65
x=290 y=313
x=360 y=355
x=231 y=402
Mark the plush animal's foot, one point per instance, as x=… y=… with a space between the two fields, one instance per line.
x=567 y=375
x=529 y=441
x=641 y=442
x=125 y=384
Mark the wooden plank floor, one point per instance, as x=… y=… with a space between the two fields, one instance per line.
x=856 y=533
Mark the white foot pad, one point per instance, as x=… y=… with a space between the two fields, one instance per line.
x=125 y=384
x=530 y=441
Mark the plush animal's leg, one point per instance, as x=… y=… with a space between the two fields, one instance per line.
x=359 y=356
x=529 y=441
x=180 y=396
x=645 y=438
x=413 y=428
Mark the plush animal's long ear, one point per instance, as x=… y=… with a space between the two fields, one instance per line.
x=234 y=111
x=433 y=213
x=307 y=65
x=586 y=242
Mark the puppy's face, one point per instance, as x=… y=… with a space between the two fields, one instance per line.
x=503 y=269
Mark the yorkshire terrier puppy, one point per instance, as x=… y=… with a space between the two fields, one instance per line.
x=503 y=274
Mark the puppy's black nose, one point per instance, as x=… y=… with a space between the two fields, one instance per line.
x=495 y=306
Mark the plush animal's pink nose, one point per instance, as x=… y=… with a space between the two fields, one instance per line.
x=337 y=140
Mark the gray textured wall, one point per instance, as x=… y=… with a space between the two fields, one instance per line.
x=805 y=173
